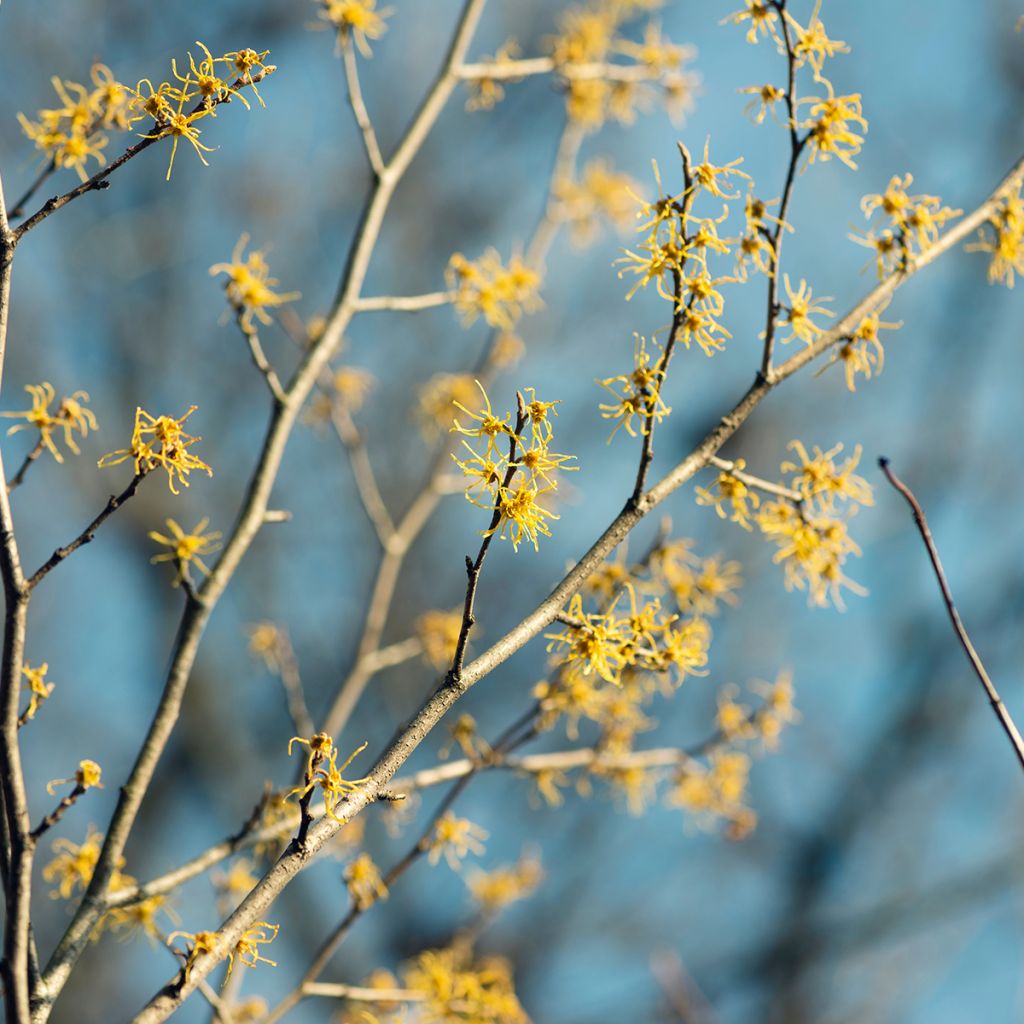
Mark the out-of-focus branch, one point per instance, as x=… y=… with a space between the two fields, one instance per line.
x=403 y=303
x=998 y=707
x=19 y=478
x=359 y=112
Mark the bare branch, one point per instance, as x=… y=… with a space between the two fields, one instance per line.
x=998 y=707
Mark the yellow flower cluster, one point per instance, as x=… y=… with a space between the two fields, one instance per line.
x=455 y=990
x=487 y=287
x=912 y=224
x=805 y=521
x=598 y=87
x=160 y=441
x=323 y=773
x=514 y=469
x=1005 y=241
x=599 y=193
x=716 y=791
x=71 y=417
x=834 y=123
x=863 y=352
x=165 y=104
x=643 y=640
x=494 y=890
x=72 y=869
x=637 y=395
x=247 y=949
x=249 y=286
x=677 y=247
x=72 y=133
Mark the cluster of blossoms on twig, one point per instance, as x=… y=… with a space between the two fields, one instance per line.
x=1003 y=237
x=75 y=131
x=358 y=20
x=806 y=520
x=486 y=287
x=71 y=417
x=912 y=224
x=249 y=286
x=71 y=869
x=597 y=85
x=513 y=470
x=246 y=949
x=160 y=442
x=323 y=773
x=185 y=548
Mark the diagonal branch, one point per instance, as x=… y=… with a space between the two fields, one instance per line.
x=998 y=707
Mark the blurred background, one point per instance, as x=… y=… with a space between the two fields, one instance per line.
x=883 y=882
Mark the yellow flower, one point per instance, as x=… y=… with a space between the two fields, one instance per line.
x=830 y=123
x=519 y=515
x=706 y=175
x=486 y=287
x=496 y=889
x=812 y=43
x=762 y=17
x=489 y=427
x=178 y=126
x=185 y=548
x=39 y=689
x=599 y=193
x=364 y=881
x=800 y=310
x=87 y=776
x=729 y=488
x=485 y=93
x=438 y=632
x=74 y=864
x=1003 y=237
x=454 y=990
x=249 y=285
x=326 y=776
x=71 y=416
x=359 y=19
x=455 y=838
x=160 y=441
x=820 y=480
x=437 y=397
x=765 y=98
x=209 y=85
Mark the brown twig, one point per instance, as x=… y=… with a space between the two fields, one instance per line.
x=87 y=535
x=998 y=707
x=19 y=478
x=796 y=148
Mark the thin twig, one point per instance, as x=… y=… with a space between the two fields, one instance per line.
x=796 y=148
x=18 y=209
x=998 y=707
x=403 y=303
x=252 y=337
x=57 y=813
x=328 y=990
x=362 y=472
x=19 y=478
x=355 y=100
x=728 y=466
x=87 y=535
